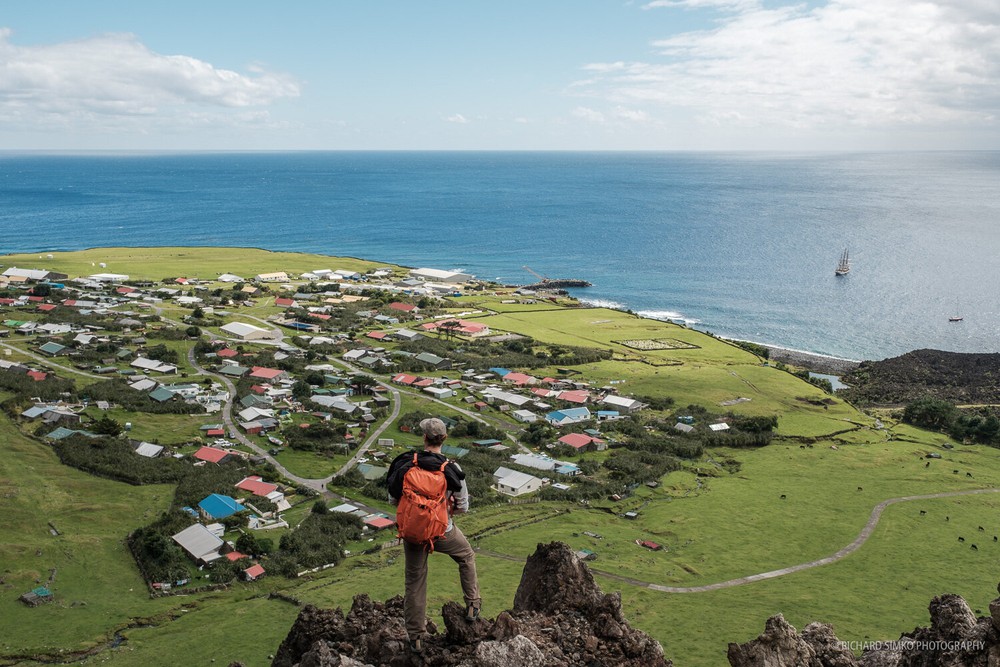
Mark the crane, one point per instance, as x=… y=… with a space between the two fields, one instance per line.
x=537 y=275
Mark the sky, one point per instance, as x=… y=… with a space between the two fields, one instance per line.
x=729 y=75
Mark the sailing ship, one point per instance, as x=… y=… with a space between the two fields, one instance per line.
x=844 y=267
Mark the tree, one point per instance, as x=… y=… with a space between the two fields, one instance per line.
x=247 y=544
x=198 y=313
x=192 y=332
x=929 y=412
x=106 y=426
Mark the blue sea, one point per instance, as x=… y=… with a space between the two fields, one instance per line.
x=743 y=245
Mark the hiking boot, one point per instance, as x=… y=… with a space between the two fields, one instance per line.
x=416 y=645
x=472 y=611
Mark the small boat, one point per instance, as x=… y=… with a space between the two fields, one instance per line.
x=955 y=318
x=844 y=267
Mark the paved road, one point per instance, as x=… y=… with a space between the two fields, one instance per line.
x=862 y=537
x=50 y=363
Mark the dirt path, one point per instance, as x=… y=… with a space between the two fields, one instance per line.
x=862 y=537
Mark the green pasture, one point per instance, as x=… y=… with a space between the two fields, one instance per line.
x=736 y=525
x=97 y=587
x=202 y=263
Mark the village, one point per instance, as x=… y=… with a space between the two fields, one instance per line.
x=304 y=387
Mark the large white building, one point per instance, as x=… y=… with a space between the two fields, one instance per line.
x=513 y=483
x=437 y=275
x=245 y=331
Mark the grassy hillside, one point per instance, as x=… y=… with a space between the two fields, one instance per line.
x=720 y=517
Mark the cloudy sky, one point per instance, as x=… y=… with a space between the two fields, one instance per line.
x=517 y=74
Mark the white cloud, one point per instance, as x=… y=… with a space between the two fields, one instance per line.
x=588 y=114
x=457 y=118
x=861 y=63
x=633 y=115
x=115 y=81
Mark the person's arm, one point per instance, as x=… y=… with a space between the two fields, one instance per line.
x=394 y=479
x=459 y=496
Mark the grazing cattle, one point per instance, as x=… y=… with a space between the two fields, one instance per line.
x=802 y=446
x=923 y=512
x=860 y=489
x=955 y=471
x=947 y=518
x=994 y=538
x=974 y=547
x=782 y=496
x=961 y=539
x=927 y=465
x=968 y=474
x=982 y=530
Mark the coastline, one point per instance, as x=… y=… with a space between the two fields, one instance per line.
x=819 y=363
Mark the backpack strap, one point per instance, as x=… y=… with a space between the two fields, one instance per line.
x=441 y=469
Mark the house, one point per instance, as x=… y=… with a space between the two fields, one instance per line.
x=270 y=375
x=199 y=543
x=162 y=395
x=492 y=395
x=376 y=522
x=433 y=360
x=52 y=349
x=535 y=461
x=253 y=414
x=34 y=275
x=649 y=544
x=404 y=379
x=622 y=404
x=514 y=483
x=284 y=302
x=524 y=416
x=233 y=370
x=254 y=572
x=226 y=353
x=256 y=485
x=577 y=396
x=439 y=392
x=229 y=278
x=582 y=442
x=152 y=365
x=149 y=450
x=276 y=277
x=407 y=335
x=568 y=416
x=683 y=428
x=377 y=335
x=211 y=454
x=407 y=308
x=245 y=331
x=520 y=379
x=463 y=327
x=217 y=506
x=721 y=426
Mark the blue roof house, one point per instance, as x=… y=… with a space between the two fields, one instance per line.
x=217 y=506
x=568 y=416
x=500 y=371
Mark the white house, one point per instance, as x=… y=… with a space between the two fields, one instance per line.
x=438 y=275
x=229 y=278
x=439 y=392
x=277 y=277
x=199 y=542
x=622 y=404
x=524 y=416
x=513 y=483
x=152 y=365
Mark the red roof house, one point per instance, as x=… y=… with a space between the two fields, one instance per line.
x=226 y=353
x=377 y=335
x=215 y=432
x=234 y=556
x=580 y=441
x=284 y=302
x=520 y=379
x=649 y=544
x=403 y=307
x=256 y=485
x=269 y=374
x=254 y=573
x=211 y=454
x=47 y=307
x=403 y=378
x=379 y=523
x=37 y=376
x=574 y=396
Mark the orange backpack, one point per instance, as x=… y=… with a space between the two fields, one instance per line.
x=422 y=514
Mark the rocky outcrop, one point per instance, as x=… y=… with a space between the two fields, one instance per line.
x=955 y=638
x=560 y=618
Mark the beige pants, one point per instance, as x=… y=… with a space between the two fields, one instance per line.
x=415 y=601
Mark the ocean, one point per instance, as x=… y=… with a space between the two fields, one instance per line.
x=743 y=245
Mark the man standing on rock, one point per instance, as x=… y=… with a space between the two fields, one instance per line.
x=428 y=489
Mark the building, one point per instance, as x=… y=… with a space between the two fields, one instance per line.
x=438 y=275
x=217 y=506
x=582 y=442
x=276 y=277
x=513 y=483
x=245 y=331
x=568 y=416
x=622 y=404
x=199 y=543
